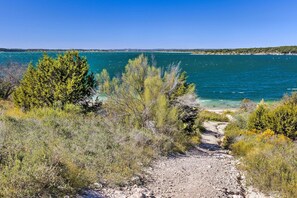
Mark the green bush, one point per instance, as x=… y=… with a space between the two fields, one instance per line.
x=232 y=131
x=258 y=118
x=212 y=116
x=162 y=102
x=55 y=82
x=283 y=120
x=268 y=158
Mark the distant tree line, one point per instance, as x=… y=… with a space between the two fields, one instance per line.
x=259 y=50
x=262 y=50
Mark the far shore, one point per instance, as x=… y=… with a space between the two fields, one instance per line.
x=280 y=50
x=244 y=54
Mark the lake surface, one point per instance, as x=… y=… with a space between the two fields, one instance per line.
x=221 y=80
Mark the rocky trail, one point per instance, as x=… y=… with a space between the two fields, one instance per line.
x=205 y=171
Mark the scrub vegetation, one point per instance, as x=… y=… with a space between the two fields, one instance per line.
x=264 y=140
x=59 y=137
x=56 y=139
x=212 y=116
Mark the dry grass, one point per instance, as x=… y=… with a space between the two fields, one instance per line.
x=269 y=159
x=52 y=152
x=212 y=116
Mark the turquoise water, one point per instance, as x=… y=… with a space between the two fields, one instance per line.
x=221 y=80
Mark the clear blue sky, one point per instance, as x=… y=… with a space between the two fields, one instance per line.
x=108 y=24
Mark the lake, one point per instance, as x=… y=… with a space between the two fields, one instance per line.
x=221 y=80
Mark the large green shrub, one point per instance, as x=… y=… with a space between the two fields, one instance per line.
x=280 y=118
x=283 y=120
x=59 y=81
x=146 y=97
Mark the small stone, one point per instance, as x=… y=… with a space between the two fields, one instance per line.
x=98 y=186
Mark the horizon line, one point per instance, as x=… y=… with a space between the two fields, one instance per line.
x=138 y=49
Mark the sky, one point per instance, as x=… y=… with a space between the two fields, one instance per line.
x=147 y=24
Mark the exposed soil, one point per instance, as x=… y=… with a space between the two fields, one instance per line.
x=205 y=171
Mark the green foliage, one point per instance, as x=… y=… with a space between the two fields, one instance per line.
x=257 y=119
x=147 y=98
x=47 y=153
x=268 y=158
x=269 y=161
x=182 y=87
x=260 y=50
x=51 y=151
x=273 y=169
x=212 y=116
x=59 y=81
x=36 y=161
x=232 y=131
x=282 y=118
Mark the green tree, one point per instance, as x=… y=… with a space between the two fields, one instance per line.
x=59 y=81
x=147 y=97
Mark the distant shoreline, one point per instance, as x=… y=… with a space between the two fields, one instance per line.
x=181 y=52
x=245 y=54
x=281 y=50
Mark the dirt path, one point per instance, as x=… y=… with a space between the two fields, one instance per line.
x=205 y=171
